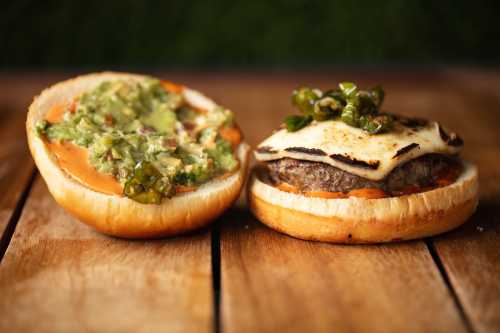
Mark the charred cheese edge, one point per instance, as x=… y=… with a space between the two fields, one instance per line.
x=353 y=150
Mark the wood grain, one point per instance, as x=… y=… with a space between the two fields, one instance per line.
x=60 y=276
x=16 y=168
x=275 y=283
x=471 y=254
x=471 y=257
x=16 y=165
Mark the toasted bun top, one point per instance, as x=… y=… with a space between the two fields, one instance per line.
x=353 y=150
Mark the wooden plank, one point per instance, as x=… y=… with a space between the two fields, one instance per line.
x=60 y=276
x=471 y=258
x=16 y=165
x=274 y=283
x=16 y=169
x=471 y=254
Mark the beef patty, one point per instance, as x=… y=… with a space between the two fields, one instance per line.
x=307 y=176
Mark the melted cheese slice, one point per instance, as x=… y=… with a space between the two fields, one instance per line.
x=354 y=150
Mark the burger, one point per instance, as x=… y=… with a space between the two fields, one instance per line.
x=344 y=171
x=134 y=156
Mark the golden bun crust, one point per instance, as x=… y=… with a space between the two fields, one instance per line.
x=356 y=220
x=121 y=216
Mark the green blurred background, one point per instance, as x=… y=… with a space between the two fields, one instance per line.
x=231 y=34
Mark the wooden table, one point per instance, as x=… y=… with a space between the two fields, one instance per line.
x=57 y=275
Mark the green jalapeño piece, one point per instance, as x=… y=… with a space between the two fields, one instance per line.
x=355 y=107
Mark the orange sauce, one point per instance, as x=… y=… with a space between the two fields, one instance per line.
x=231 y=134
x=74 y=160
x=184 y=189
x=171 y=87
x=367 y=193
x=288 y=188
x=443 y=182
x=445 y=178
x=325 y=195
x=448 y=176
x=410 y=190
x=55 y=114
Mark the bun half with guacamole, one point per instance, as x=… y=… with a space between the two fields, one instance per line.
x=346 y=172
x=134 y=156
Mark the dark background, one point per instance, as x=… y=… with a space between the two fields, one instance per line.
x=230 y=34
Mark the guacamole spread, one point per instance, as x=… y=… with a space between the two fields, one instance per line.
x=148 y=138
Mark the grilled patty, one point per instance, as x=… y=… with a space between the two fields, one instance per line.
x=307 y=176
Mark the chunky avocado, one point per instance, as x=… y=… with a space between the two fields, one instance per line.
x=150 y=139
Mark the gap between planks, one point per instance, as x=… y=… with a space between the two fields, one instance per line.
x=446 y=279
x=16 y=214
x=216 y=280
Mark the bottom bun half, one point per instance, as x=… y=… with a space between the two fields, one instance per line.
x=356 y=220
x=117 y=215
